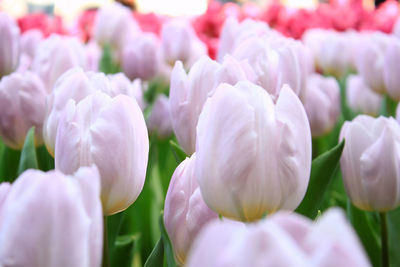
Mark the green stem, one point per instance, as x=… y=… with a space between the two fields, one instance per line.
x=106 y=259
x=384 y=240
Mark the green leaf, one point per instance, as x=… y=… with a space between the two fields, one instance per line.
x=363 y=224
x=107 y=64
x=394 y=236
x=168 y=250
x=114 y=223
x=9 y=164
x=322 y=173
x=124 y=248
x=156 y=257
x=28 y=158
x=179 y=154
x=45 y=160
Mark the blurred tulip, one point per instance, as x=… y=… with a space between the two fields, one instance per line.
x=269 y=143
x=332 y=51
x=360 y=97
x=93 y=56
x=234 y=33
x=111 y=133
x=114 y=24
x=141 y=57
x=179 y=42
x=275 y=62
x=76 y=84
x=370 y=60
x=22 y=106
x=369 y=162
x=159 y=120
x=321 y=101
x=55 y=55
x=50 y=219
x=29 y=42
x=9 y=45
x=391 y=68
x=282 y=239
x=185 y=212
x=188 y=92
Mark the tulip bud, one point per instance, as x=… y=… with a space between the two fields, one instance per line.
x=9 y=45
x=274 y=62
x=187 y=96
x=269 y=143
x=55 y=55
x=391 y=69
x=76 y=84
x=360 y=97
x=321 y=100
x=282 y=239
x=369 y=162
x=111 y=133
x=159 y=120
x=370 y=60
x=141 y=57
x=22 y=106
x=50 y=219
x=185 y=212
x=114 y=24
x=93 y=56
x=179 y=42
x=29 y=42
x=234 y=33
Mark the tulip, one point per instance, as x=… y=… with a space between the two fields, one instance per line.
x=141 y=57
x=93 y=56
x=22 y=106
x=76 y=84
x=50 y=219
x=391 y=69
x=159 y=120
x=274 y=62
x=189 y=92
x=185 y=212
x=369 y=162
x=55 y=55
x=111 y=133
x=321 y=101
x=282 y=239
x=187 y=96
x=234 y=33
x=29 y=42
x=179 y=42
x=9 y=46
x=114 y=24
x=4 y=189
x=269 y=143
x=360 y=97
x=332 y=51
x=370 y=60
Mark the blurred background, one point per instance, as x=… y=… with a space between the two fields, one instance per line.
x=70 y=9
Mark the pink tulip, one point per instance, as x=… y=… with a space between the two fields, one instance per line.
x=111 y=133
x=282 y=239
x=179 y=42
x=76 y=84
x=9 y=45
x=369 y=162
x=360 y=97
x=50 y=219
x=159 y=120
x=22 y=106
x=321 y=100
x=270 y=145
x=185 y=212
x=55 y=55
x=141 y=57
